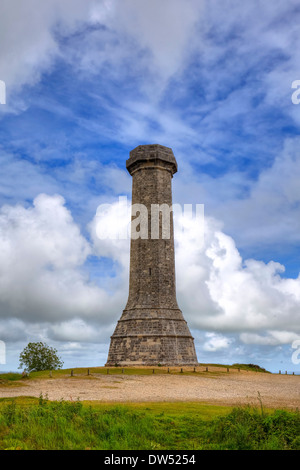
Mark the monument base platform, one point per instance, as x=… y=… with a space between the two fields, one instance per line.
x=161 y=337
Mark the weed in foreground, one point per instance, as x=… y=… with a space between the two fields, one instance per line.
x=72 y=425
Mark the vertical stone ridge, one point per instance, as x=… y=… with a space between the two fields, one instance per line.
x=152 y=329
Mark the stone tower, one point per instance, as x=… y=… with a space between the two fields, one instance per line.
x=152 y=329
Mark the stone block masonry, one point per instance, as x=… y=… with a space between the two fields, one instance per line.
x=152 y=329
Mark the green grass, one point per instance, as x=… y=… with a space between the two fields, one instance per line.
x=213 y=369
x=34 y=424
x=250 y=367
x=10 y=379
x=10 y=376
x=247 y=367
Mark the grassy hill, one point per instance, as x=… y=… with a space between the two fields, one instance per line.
x=12 y=377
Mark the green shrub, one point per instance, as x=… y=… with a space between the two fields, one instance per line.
x=249 y=429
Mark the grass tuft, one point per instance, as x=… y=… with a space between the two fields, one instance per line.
x=40 y=424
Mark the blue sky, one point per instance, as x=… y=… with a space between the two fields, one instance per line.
x=87 y=81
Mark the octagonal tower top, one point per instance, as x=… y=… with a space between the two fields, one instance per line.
x=153 y=155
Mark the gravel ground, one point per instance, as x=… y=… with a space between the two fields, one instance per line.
x=233 y=388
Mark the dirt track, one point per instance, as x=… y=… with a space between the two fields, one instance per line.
x=233 y=388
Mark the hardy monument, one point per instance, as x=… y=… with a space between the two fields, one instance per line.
x=152 y=329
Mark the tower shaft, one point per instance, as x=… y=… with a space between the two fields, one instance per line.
x=152 y=264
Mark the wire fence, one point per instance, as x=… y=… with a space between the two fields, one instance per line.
x=167 y=370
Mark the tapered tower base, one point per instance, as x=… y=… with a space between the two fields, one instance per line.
x=150 y=337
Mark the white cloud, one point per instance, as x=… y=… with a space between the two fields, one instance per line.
x=270 y=338
x=45 y=294
x=216 y=342
x=164 y=29
x=42 y=253
x=30 y=34
x=261 y=213
x=219 y=291
x=78 y=330
x=28 y=43
x=110 y=231
x=42 y=235
x=270 y=213
x=12 y=330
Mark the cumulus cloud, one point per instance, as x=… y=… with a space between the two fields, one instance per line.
x=45 y=293
x=270 y=338
x=110 y=230
x=215 y=342
x=42 y=253
x=12 y=330
x=234 y=294
x=217 y=290
x=78 y=330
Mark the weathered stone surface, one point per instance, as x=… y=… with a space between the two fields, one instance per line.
x=152 y=329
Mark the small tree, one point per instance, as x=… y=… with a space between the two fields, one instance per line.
x=39 y=356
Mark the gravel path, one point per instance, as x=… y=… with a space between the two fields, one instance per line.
x=234 y=388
